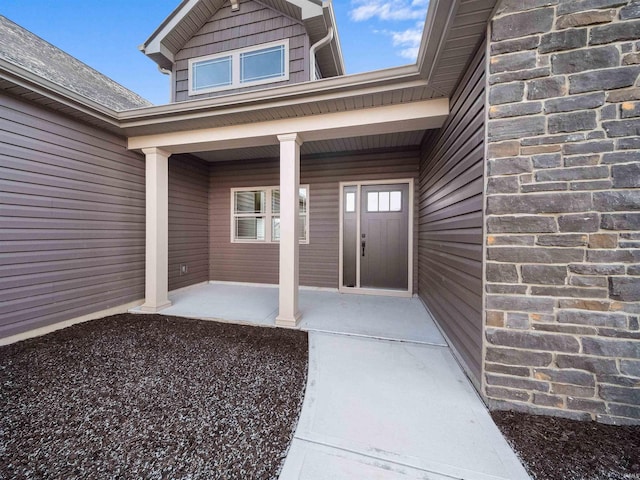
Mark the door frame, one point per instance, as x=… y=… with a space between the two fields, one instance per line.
x=411 y=220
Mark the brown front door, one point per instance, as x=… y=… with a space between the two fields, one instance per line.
x=384 y=242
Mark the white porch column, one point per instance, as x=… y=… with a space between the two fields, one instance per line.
x=157 y=238
x=289 y=315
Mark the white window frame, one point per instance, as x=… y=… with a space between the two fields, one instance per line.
x=267 y=214
x=235 y=68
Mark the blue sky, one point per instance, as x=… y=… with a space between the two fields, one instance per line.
x=105 y=34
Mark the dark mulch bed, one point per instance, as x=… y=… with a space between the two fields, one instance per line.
x=133 y=396
x=556 y=448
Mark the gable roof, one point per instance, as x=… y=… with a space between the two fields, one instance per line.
x=31 y=53
x=175 y=31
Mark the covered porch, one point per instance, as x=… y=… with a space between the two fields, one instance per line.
x=382 y=129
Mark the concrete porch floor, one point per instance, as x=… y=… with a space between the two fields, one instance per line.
x=385 y=397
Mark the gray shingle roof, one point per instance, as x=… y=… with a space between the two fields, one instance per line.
x=28 y=51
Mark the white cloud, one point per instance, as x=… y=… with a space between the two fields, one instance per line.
x=407 y=41
x=363 y=10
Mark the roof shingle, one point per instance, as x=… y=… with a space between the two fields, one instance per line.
x=29 y=52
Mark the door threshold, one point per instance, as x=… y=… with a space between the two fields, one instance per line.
x=381 y=292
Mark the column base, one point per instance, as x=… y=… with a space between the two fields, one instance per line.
x=287 y=321
x=154 y=308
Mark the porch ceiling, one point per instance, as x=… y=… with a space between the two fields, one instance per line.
x=400 y=140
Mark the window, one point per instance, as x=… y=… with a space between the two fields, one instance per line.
x=255 y=214
x=250 y=215
x=262 y=64
x=384 y=201
x=255 y=65
x=350 y=202
x=212 y=73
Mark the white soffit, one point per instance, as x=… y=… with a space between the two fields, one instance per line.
x=396 y=141
x=154 y=43
x=453 y=31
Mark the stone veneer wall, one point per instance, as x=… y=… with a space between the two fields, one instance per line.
x=562 y=209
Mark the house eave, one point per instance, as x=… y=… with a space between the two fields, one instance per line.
x=47 y=92
x=333 y=85
x=153 y=47
x=439 y=19
x=380 y=120
x=453 y=31
x=334 y=46
x=354 y=92
x=176 y=116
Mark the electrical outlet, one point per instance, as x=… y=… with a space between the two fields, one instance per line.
x=184 y=269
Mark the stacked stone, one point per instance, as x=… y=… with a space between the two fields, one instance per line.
x=563 y=209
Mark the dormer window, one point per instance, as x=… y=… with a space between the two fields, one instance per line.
x=244 y=67
x=210 y=74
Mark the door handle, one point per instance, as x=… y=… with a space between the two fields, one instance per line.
x=364 y=244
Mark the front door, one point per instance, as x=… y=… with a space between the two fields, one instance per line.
x=376 y=236
x=384 y=219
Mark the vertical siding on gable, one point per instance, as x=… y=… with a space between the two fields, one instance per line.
x=253 y=24
x=319 y=260
x=188 y=220
x=450 y=219
x=72 y=218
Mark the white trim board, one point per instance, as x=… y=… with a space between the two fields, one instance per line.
x=421 y=115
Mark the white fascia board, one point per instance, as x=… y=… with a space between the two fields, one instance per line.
x=59 y=94
x=168 y=54
x=440 y=18
x=154 y=43
x=403 y=117
x=239 y=108
x=330 y=18
x=309 y=8
x=333 y=87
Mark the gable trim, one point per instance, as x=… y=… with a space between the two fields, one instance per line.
x=163 y=54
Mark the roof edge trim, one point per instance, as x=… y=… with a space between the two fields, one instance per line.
x=59 y=94
x=275 y=103
x=440 y=17
x=343 y=83
x=153 y=45
x=308 y=11
x=336 y=47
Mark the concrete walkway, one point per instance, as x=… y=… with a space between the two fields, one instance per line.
x=379 y=409
x=385 y=398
